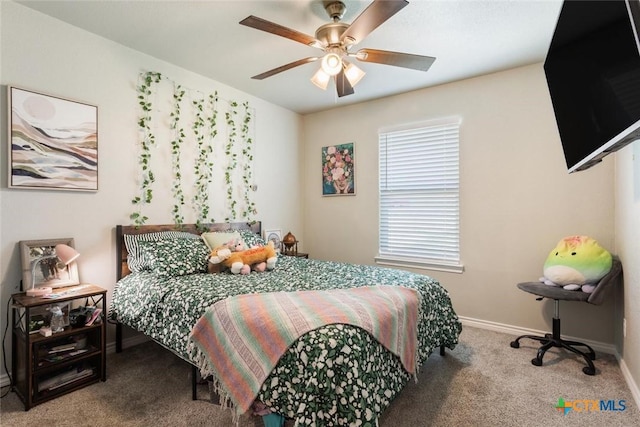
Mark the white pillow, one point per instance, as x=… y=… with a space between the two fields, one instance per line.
x=213 y=239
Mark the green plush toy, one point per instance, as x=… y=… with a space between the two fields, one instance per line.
x=577 y=262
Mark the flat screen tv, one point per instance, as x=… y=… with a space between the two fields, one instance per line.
x=593 y=74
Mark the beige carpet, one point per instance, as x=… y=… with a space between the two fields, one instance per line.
x=483 y=382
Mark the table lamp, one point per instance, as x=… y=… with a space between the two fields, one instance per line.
x=64 y=253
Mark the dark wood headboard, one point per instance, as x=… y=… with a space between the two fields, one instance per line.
x=121 y=230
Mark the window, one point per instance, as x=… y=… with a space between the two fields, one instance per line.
x=419 y=195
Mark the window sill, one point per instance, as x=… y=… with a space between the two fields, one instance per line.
x=420 y=264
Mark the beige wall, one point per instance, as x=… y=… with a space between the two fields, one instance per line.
x=628 y=246
x=516 y=202
x=46 y=55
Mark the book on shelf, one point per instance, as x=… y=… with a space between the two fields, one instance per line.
x=62 y=356
x=92 y=319
x=80 y=375
x=62 y=292
x=63 y=347
x=64 y=378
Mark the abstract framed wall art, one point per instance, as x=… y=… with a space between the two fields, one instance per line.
x=338 y=170
x=53 y=142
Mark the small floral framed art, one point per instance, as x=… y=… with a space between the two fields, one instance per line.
x=338 y=170
x=274 y=236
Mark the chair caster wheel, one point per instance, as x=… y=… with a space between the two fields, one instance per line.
x=515 y=344
x=589 y=370
x=536 y=362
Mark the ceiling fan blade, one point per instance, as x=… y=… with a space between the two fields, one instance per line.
x=277 y=29
x=285 y=67
x=372 y=17
x=342 y=85
x=398 y=59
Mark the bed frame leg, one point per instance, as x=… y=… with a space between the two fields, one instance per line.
x=442 y=353
x=118 y=337
x=194 y=382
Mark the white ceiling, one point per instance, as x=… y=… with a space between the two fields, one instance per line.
x=467 y=37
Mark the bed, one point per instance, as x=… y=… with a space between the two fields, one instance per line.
x=336 y=374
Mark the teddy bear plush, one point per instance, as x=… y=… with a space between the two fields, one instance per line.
x=259 y=258
x=576 y=263
x=237 y=245
x=223 y=252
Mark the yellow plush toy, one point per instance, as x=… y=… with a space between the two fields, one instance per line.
x=260 y=258
x=576 y=263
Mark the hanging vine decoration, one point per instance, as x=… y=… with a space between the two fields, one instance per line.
x=247 y=153
x=232 y=158
x=176 y=144
x=204 y=164
x=205 y=127
x=147 y=140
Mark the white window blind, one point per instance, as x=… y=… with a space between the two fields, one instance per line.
x=419 y=195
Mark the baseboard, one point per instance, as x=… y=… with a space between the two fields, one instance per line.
x=128 y=342
x=596 y=345
x=4 y=380
x=515 y=330
x=635 y=391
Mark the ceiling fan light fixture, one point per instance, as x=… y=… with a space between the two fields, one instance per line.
x=353 y=74
x=321 y=79
x=348 y=42
x=361 y=55
x=335 y=40
x=331 y=63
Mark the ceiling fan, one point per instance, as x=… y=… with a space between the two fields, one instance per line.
x=337 y=38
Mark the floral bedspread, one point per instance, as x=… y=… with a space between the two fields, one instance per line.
x=334 y=375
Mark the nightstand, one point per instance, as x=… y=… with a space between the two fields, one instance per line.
x=46 y=367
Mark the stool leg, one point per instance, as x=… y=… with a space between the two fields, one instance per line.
x=592 y=354
x=537 y=361
x=590 y=369
x=555 y=340
x=516 y=343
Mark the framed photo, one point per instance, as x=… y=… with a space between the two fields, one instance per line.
x=275 y=236
x=338 y=170
x=40 y=316
x=53 y=142
x=49 y=271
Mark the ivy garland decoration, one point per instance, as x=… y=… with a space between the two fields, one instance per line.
x=232 y=159
x=176 y=144
x=146 y=142
x=205 y=131
x=204 y=163
x=247 y=153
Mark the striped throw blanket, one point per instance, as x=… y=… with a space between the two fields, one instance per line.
x=240 y=339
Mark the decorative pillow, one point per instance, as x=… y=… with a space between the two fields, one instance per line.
x=214 y=239
x=251 y=239
x=135 y=259
x=176 y=257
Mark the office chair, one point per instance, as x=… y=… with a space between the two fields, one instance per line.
x=557 y=294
